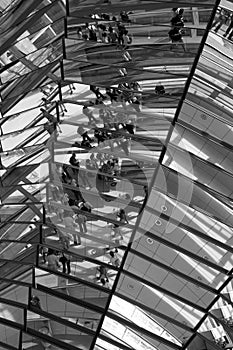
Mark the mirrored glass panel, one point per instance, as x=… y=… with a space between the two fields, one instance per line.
x=75 y=288
x=9 y=336
x=95 y=268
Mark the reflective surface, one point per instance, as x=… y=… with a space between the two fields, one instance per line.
x=116 y=175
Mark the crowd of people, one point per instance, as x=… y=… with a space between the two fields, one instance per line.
x=114 y=33
x=117 y=125
x=107 y=28
x=60 y=261
x=101 y=169
x=112 y=29
x=127 y=93
x=75 y=222
x=63 y=200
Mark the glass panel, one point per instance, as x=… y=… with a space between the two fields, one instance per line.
x=166 y=279
x=9 y=336
x=204 y=148
x=102 y=344
x=129 y=336
x=162 y=327
x=26 y=277
x=89 y=270
x=188 y=192
x=14 y=249
x=8 y=210
x=154 y=298
x=30 y=341
x=85 y=318
x=71 y=335
x=29 y=57
x=12 y=313
x=25 y=84
x=16 y=293
x=73 y=288
x=212 y=330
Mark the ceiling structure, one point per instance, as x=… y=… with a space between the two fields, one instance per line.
x=173 y=286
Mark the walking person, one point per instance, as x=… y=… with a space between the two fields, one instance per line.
x=81 y=219
x=229 y=29
x=52 y=120
x=96 y=91
x=220 y=20
x=64 y=240
x=126 y=40
x=65 y=261
x=89 y=115
x=114 y=259
x=86 y=140
x=176 y=38
x=70 y=225
x=103 y=275
x=117 y=235
x=112 y=35
x=122 y=216
x=178 y=20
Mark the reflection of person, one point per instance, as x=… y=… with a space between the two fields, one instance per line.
x=229 y=29
x=116 y=236
x=52 y=123
x=43 y=252
x=178 y=20
x=114 y=259
x=52 y=260
x=64 y=240
x=175 y=36
x=70 y=224
x=65 y=260
x=103 y=274
x=85 y=206
x=159 y=89
x=81 y=219
x=86 y=140
x=35 y=302
x=45 y=330
x=221 y=19
x=89 y=114
x=122 y=216
x=78 y=172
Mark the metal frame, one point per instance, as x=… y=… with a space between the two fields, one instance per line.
x=129 y=249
